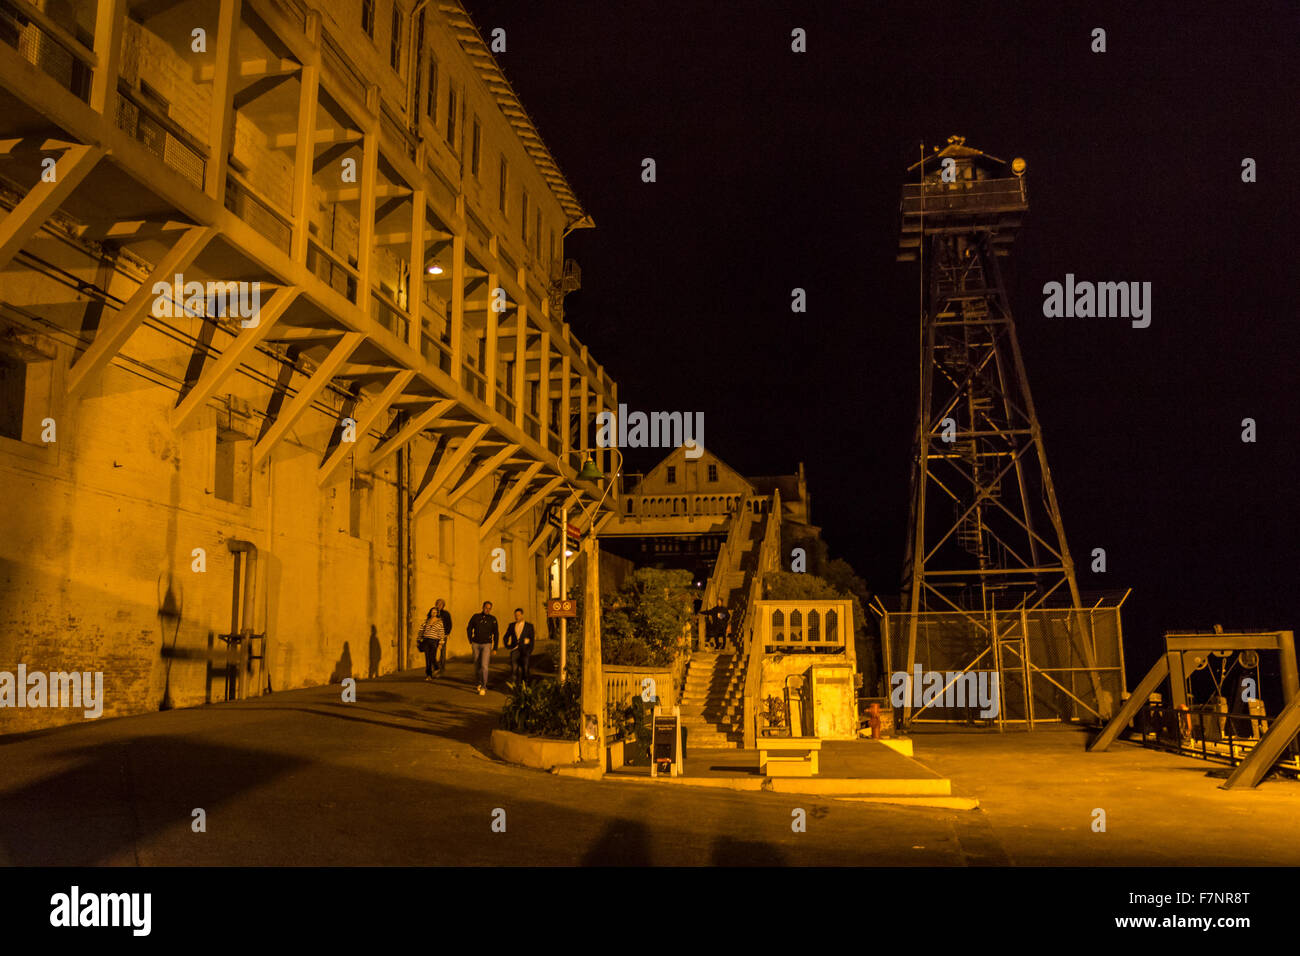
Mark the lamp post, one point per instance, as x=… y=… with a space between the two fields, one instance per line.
x=591 y=733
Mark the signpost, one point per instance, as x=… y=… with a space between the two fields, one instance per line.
x=666 y=742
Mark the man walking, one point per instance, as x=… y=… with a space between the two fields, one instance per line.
x=483 y=635
x=520 y=638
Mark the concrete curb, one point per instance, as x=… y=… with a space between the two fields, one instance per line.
x=936 y=802
x=867 y=789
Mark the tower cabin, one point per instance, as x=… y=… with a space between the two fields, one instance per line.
x=959 y=189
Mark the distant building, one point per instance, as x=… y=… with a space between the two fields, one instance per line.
x=676 y=514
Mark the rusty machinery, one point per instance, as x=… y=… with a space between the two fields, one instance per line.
x=1187 y=653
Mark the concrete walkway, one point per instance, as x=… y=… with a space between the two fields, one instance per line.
x=1040 y=792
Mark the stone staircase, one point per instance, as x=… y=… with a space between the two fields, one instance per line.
x=713 y=700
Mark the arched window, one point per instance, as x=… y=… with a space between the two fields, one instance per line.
x=778 y=626
x=814 y=626
x=796 y=626
x=832 y=626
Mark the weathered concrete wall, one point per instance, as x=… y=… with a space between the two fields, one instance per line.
x=101 y=527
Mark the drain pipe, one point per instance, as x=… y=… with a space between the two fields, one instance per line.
x=246 y=578
x=404 y=550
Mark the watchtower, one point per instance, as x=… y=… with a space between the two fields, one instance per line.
x=986 y=551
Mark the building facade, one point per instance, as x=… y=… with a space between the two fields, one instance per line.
x=283 y=356
x=677 y=513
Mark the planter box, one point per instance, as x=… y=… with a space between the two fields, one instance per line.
x=542 y=753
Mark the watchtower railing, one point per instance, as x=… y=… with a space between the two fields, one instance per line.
x=966 y=196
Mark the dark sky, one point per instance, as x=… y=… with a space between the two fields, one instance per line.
x=778 y=170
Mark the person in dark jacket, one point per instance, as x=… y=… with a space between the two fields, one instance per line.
x=520 y=638
x=483 y=635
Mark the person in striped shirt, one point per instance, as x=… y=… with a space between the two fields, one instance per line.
x=431 y=637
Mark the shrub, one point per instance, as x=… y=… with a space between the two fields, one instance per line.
x=543 y=708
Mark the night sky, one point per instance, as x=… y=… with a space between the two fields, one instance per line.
x=779 y=170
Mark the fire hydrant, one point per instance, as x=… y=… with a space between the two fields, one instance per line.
x=873 y=720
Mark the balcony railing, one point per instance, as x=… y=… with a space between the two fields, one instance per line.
x=48 y=46
x=161 y=135
x=331 y=269
x=436 y=351
x=245 y=202
x=965 y=196
x=475 y=382
x=391 y=315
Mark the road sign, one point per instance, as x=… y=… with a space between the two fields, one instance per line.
x=666 y=742
x=561 y=607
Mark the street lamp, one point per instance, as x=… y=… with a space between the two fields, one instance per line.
x=592 y=730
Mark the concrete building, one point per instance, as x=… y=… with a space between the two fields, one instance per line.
x=283 y=356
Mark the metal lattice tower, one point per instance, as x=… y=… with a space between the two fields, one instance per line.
x=985 y=532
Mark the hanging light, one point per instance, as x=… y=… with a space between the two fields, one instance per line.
x=435 y=269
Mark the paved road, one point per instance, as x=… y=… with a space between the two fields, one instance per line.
x=402 y=776
x=405 y=776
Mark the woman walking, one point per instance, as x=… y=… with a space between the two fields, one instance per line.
x=431 y=637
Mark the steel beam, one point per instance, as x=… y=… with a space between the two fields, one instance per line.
x=366 y=420
x=447 y=467
x=110 y=340
x=417 y=424
x=320 y=378
x=41 y=201
x=1266 y=753
x=494 y=517
x=243 y=345
x=471 y=482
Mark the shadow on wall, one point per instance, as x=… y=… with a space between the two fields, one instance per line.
x=343 y=669
x=376 y=652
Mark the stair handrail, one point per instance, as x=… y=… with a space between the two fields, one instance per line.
x=726 y=555
x=769 y=559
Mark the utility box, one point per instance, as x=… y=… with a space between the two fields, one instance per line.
x=832 y=701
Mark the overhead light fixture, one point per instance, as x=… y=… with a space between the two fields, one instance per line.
x=1018 y=166
x=435 y=270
